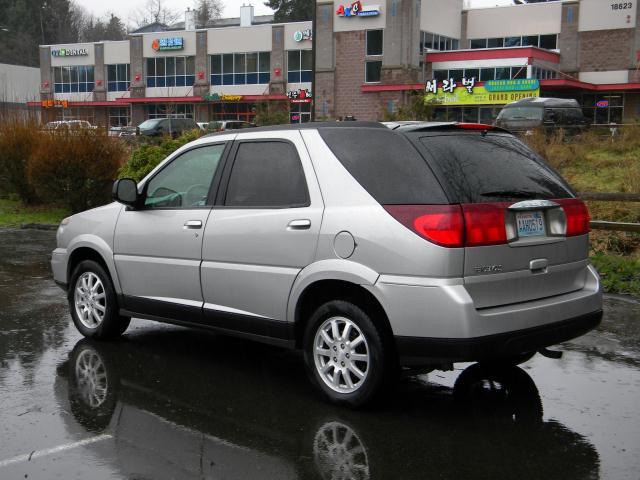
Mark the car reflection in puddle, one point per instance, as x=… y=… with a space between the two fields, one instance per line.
x=183 y=404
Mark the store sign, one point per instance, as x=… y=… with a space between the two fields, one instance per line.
x=493 y=92
x=69 y=52
x=55 y=103
x=301 y=95
x=301 y=35
x=515 y=85
x=602 y=104
x=221 y=97
x=357 y=10
x=164 y=44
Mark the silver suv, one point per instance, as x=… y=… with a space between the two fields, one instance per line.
x=368 y=248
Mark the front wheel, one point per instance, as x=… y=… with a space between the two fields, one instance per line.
x=93 y=303
x=345 y=354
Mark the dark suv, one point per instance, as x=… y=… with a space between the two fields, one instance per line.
x=159 y=127
x=548 y=113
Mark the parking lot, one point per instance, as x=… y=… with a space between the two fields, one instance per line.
x=167 y=402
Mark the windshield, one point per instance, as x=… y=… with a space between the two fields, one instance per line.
x=521 y=113
x=149 y=123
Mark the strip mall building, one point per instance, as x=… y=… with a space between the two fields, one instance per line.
x=371 y=57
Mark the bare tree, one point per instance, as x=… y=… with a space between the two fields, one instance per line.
x=207 y=10
x=155 y=11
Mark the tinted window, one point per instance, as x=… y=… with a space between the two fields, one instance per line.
x=385 y=164
x=374 y=42
x=185 y=182
x=489 y=168
x=521 y=113
x=267 y=174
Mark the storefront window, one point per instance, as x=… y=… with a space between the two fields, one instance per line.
x=299 y=66
x=240 y=68
x=173 y=110
x=233 y=111
x=300 y=112
x=118 y=77
x=74 y=79
x=433 y=41
x=171 y=72
x=373 y=71
x=119 y=116
x=543 y=41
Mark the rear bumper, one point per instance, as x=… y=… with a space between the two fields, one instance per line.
x=415 y=350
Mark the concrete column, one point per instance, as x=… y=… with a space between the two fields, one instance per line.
x=324 y=95
x=46 y=74
x=99 y=75
x=464 y=41
x=137 y=67
x=277 y=84
x=569 y=39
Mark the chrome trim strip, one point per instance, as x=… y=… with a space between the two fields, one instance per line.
x=222 y=308
x=179 y=301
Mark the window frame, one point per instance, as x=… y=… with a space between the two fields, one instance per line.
x=366 y=42
x=117 y=80
x=223 y=187
x=300 y=71
x=214 y=186
x=234 y=75
x=365 y=71
x=72 y=77
x=170 y=80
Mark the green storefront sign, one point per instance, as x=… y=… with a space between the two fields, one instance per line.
x=517 y=85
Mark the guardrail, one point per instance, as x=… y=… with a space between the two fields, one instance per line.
x=612 y=197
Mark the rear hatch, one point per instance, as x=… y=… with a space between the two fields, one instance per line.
x=525 y=234
x=520 y=118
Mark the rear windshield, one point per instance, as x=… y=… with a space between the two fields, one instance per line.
x=150 y=123
x=385 y=164
x=493 y=167
x=521 y=113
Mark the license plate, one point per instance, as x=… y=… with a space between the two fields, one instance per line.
x=530 y=224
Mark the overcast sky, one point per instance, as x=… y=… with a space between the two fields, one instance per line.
x=126 y=9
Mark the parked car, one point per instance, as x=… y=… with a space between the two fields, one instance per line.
x=202 y=125
x=368 y=248
x=158 y=127
x=222 y=125
x=69 y=125
x=548 y=113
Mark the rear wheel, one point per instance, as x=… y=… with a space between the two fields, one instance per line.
x=93 y=303
x=345 y=354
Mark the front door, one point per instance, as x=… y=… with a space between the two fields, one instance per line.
x=260 y=234
x=157 y=248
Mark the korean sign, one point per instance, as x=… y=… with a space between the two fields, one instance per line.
x=465 y=91
x=164 y=44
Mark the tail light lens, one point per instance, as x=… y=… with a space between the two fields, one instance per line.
x=485 y=224
x=577 y=216
x=440 y=224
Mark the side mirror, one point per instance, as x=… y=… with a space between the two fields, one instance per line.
x=125 y=190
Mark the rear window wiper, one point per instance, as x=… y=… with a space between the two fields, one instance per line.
x=510 y=194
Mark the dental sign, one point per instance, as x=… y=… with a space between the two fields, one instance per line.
x=164 y=44
x=69 y=52
x=357 y=10
x=301 y=35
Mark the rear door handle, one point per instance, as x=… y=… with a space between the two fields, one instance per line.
x=301 y=224
x=192 y=224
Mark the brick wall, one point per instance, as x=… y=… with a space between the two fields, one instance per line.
x=604 y=50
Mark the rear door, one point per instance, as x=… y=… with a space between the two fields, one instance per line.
x=262 y=231
x=527 y=256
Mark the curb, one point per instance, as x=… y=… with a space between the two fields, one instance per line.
x=38 y=226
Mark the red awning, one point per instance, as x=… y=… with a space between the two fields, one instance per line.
x=493 y=54
x=568 y=84
x=367 y=87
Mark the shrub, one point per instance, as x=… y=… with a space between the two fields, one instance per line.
x=76 y=168
x=145 y=158
x=17 y=142
x=272 y=114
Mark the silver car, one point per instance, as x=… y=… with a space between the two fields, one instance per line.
x=368 y=248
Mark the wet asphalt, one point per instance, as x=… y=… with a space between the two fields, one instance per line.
x=171 y=403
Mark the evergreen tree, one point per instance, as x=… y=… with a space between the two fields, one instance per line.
x=291 y=10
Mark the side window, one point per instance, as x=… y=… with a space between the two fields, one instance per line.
x=267 y=175
x=185 y=182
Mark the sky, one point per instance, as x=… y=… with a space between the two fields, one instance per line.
x=126 y=9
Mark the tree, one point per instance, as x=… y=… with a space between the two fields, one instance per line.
x=155 y=11
x=291 y=10
x=207 y=10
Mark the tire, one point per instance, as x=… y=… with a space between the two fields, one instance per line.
x=93 y=302
x=346 y=380
x=509 y=361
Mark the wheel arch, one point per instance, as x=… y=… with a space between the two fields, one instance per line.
x=97 y=250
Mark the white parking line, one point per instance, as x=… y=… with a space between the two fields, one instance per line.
x=49 y=451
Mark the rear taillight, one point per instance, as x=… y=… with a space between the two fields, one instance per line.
x=440 y=224
x=577 y=216
x=474 y=126
x=484 y=224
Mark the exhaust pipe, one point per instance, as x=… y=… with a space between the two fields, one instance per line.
x=545 y=352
